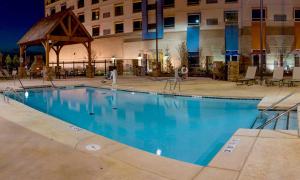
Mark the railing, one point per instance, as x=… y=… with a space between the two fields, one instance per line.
x=11 y=91
x=21 y=83
x=172 y=87
x=271 y=107
x=52 y=84
x=276 y=118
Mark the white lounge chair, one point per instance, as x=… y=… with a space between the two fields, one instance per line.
x=250 y=76
x=296 y=76
x=277 y=77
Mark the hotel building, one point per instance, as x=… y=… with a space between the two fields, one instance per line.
x=214 y=30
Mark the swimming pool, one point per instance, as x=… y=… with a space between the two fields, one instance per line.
x=190 y=129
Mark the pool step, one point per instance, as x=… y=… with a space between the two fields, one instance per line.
x=283 y=123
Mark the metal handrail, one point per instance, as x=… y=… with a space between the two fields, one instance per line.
x=13 y=91
x=21 y=84
x=177 y=82
x=52 y=84
x=277 y=102
x=278 y=116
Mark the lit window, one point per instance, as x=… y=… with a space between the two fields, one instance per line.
x=95 y=15
x=194 y=19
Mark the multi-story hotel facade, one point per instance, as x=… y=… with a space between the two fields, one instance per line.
x=214 y=30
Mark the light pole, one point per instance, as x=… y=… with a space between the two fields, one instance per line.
x=261 y=39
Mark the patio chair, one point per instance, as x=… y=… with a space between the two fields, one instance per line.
x=249 y=78
x=295 y=78
x=6 y=73
x=277 y=77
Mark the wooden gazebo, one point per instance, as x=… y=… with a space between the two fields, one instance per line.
x=55 y=32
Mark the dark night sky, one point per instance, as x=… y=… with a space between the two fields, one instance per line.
x=16 y=17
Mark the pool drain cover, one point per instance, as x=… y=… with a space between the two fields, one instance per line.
x=93 y=147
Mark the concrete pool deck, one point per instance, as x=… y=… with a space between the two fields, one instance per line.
x=33 y=140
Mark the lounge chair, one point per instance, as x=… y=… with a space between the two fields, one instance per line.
x=249 y=78
x=6 y=74
x=277 y=77
x=295 y=78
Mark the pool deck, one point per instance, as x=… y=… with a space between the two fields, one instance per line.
x=35 y=145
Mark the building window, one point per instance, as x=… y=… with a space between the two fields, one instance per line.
x=95 y=15
x=80 y=4
x=137 y=25
x=106 y=32
x=119 y=28
x=231 y=1
x=193 y=2
x=81 y=18
x=169 y=3
x=211 y=1
x=96 y=31
x=136 y=7
x=152 y=26
x=169 y=22
x=63 y=7
x=297 y=14
x=231 y=16
x=106 y=15
x=95 y=1
x=52 y=11
x=194 y=19
x=280 y=17
x=151 y=6
x=119 y=10
x=256 y=14
x=212 y=21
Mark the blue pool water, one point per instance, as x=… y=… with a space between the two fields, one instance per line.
x=183 y=128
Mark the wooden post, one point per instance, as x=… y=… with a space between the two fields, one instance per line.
x=47 y=69
x=89 y=68
x=90 y=53
x=21 y=69
x=47 y=51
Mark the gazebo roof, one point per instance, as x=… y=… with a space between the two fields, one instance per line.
x=62 y=28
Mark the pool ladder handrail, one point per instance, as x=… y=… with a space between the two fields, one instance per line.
x=177 y=81
x=273 y=106
x=21 y=84
x=279 y=116
x=52 y=84
x=11 y=90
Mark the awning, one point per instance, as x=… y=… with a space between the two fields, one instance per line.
x=193 y=38
x=232 y=38
x=297 y=35
x=256 y=36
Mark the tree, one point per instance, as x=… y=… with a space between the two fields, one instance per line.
x=183 y=53
x=8 y=61
x=15 y=61
x=170 y=68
